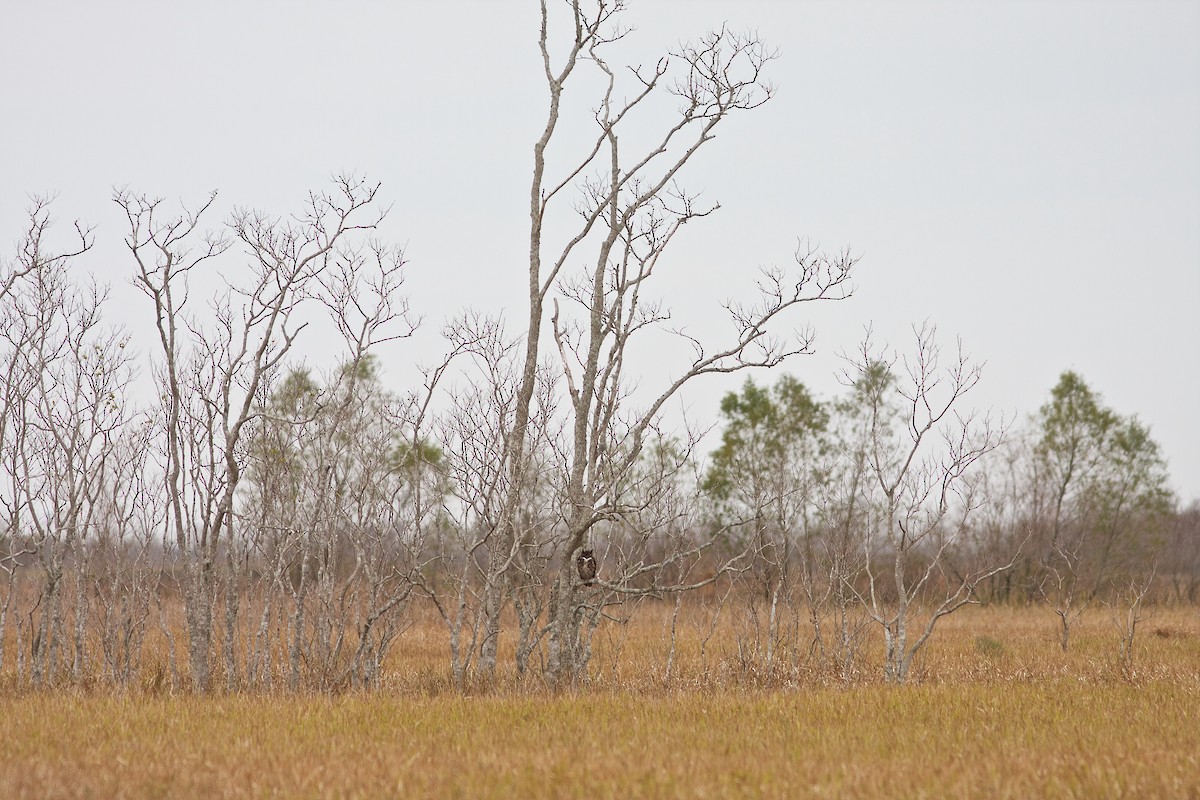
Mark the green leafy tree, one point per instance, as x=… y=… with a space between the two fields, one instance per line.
x=761 y=480
x=1075 y=430
x=1108 y=498
x=766 y=429
x=1131 y=496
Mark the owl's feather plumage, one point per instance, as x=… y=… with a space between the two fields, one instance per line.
x=585 y=563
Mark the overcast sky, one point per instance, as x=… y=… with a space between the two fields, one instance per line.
x=1024 y=174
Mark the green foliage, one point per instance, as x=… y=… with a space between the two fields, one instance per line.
x=764 y=428
x=296 y=390
x=364 y=369
x=873 y=385
x=1107 y=474
x=1074 y=429
x=408 y=457
x=353 y=428
x=869 y=411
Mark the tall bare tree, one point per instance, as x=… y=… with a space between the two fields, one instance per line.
x=632 y=207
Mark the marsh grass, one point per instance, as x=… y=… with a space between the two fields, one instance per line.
x=997 y=710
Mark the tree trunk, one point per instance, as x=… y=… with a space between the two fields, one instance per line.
x=199 y=619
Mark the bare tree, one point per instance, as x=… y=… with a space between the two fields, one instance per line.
x=32 y=253
x=332 y=462
x=845 y=509
x=43 y=314
x=1068 y=584
x=125 y=570
x=632 y=207
x=927 y=489
x=339 y=504
x=1128 y=609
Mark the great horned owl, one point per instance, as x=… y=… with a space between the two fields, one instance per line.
x=586 y=564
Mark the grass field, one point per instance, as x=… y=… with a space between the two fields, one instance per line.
x=1006 y=716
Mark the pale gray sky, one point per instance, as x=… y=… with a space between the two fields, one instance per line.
x=1025 y=174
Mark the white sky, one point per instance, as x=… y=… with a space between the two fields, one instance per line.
x=1024 y=174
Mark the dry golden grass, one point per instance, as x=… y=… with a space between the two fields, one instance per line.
x=1008 y=715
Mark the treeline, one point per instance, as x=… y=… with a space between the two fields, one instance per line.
x=1070 y=510
x=278 y=527
x=301 y=519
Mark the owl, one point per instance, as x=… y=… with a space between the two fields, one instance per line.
x=586 y=564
